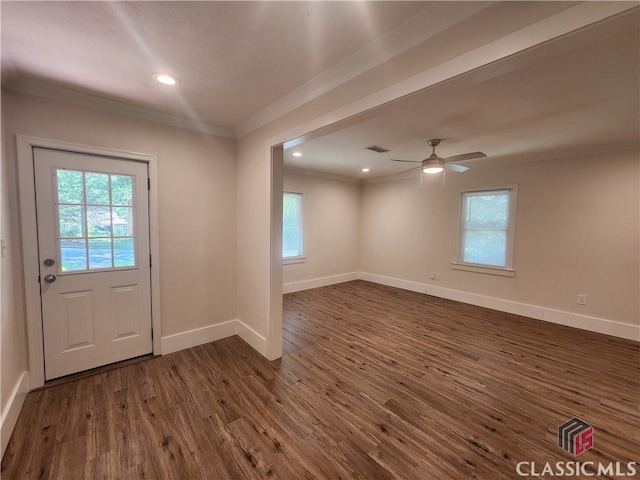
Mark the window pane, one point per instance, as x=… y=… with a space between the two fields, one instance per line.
x=99 y=221
x=122 y=221
x=124 y=252
x=291 y=242
x=97 y=185
x=121 y=190
x=490 y=210
x=100 y=254
x=487 y=247
x=292 y=225
x=96 y=221
x=73 y=255
x=70 y=188
x=71 y=220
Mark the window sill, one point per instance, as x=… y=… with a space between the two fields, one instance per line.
x=292 y=260
x=469 y=267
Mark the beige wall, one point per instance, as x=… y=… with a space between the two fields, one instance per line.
x=197 y=210
x=13 y=350
x=331 y=224
x=576 y=233
x=416 y=68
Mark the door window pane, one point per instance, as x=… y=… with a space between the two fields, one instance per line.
x=121 y=190
x=71 y=220
x=122 y=219
x=97 y=186
x=70 y=187
x=124 y=252
x=100 y=254
x=73 y=255
x=99 y=221
x=95 y=221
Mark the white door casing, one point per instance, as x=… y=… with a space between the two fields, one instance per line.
x=93 y=243
x=124 y=296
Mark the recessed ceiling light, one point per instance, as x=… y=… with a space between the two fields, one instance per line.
x=365 y=170
x=166 y=79
x=297 y=154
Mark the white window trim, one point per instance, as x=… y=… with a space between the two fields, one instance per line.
x=297 y=258
x=293 y=260
x=507 y=270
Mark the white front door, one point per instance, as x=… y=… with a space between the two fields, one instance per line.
x=93 y=245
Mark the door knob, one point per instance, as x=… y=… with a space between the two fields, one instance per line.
x=50 y=278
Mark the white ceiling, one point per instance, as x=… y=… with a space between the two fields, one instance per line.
x=242 y=64
x=234 y=59
x=571 y=96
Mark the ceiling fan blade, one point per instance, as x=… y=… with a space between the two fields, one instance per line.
x=456 y=168
x=405 y=171
x=406 y=161
x=465 y=156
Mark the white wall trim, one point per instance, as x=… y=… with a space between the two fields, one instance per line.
x=319 y=282
x=31 y=267
x=198 y=336
x=63 y=94
x=211 y=333
x=12 y=409
x=253 y=338
x=583 y=322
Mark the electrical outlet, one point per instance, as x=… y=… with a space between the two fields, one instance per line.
x=582 y=299
x=438 y=276
x=334 y=266
x=432 y=275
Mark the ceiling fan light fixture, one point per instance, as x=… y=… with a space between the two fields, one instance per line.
x=432 y=166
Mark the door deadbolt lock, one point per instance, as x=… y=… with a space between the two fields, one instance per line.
x=50 y=278
x=49 y=262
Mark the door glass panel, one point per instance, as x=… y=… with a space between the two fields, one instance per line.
x=100 y=254
x=124 y=252
x=71 y=220
x=70 y=187
x=121 y=190
x=99 y=221
x=95 y=221
x=122 y=218
x=73 y=254
x=97 y=186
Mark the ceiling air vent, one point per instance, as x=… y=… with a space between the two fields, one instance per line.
x=378 y=149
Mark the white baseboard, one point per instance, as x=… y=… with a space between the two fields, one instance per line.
x=12 y=409
x=584 y=322
x=198 y=336
x=253 y=338
x=319 y=282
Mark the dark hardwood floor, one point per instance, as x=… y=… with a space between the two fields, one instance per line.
x=375 y=383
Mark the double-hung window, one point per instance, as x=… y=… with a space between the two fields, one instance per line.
x=487 y=226
x=292 y=227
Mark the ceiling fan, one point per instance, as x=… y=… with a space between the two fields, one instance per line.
x=435 y=164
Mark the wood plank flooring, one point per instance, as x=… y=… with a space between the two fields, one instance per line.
x=374 y=383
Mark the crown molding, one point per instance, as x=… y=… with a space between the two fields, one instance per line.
x=63 y=94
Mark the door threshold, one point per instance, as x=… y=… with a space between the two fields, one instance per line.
x=94 y=371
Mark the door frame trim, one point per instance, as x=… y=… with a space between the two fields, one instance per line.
x=31 y=267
